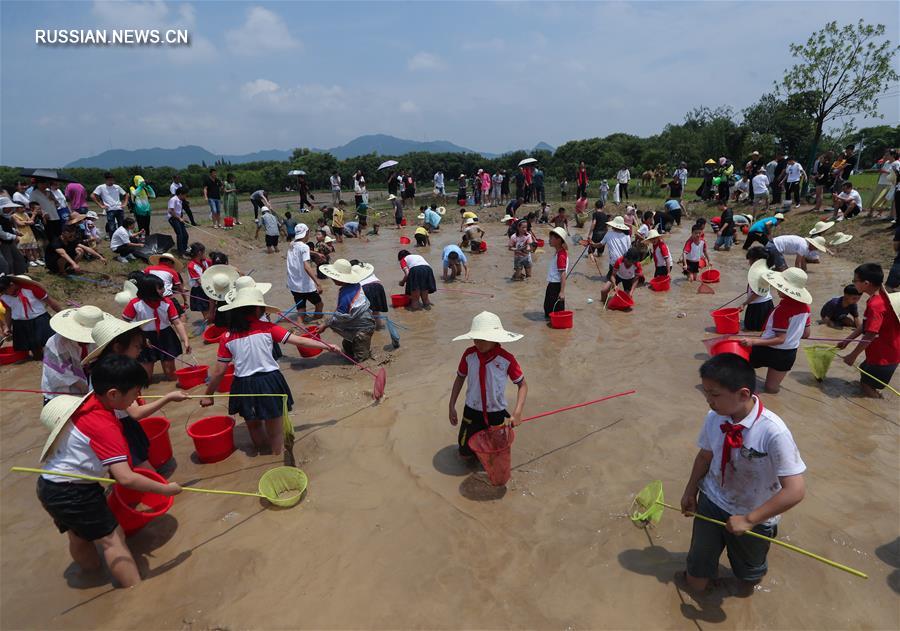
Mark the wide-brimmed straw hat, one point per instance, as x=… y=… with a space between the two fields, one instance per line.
x=23 y=280
x=75 y=218
x=792 y=283
x=488 y=327
x=618 y=223
x=756 y=277
x=840 y=238
x=710 y=161
x=818 y=243
x=91 y=215
x=421 y=216
x=820 y=227
x=342 y=271
x=653 y=234
x=128 y=293
x=391 y=197
x=217 y=280
x=76 y=324
x=55 y=416
x=507 y=218
x=894 y=299
x=779 y=216
x=248 y=297
x=108 y=330
x=329 y=239
x=560 y=232
x=441 y=210
x=169 y=258
x=470 y=221
x=243 y=282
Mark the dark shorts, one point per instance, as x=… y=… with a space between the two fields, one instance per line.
x=300 y=299
x=757 y=314
x=271 y=241
x=881 y=373
x=747 y=555
x=780 y=359
x=472 y=422
x=421 y=240
x=80 y=508
x=777 y=261
x=693 y=266
x=625 y=283
x=661 y=270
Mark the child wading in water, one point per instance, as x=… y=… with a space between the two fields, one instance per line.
x=487 y=367
x=418 y=278
x=694 y=251
x=776 y=348
x=249 y=344
x=26 y=309
x=627 y=272
x=86 y=438
x=521 y=244
x=352 y=318
x=195 y=267
x=758 y=304
x=555 y=294
x=747 y=473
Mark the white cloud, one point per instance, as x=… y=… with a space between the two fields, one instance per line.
x=258 y=86
x=424 y=61
x=313 y=98
x=263 y=32
x=152 y=14
x=409 y=107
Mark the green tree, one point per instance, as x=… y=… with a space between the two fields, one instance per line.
x=847 y=69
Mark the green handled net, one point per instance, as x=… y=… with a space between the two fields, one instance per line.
x=819 y=358
x=647 y=507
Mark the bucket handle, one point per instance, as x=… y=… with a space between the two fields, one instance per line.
x=187 y=422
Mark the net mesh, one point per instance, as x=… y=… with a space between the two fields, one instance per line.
x=283 y=486
x=819 y=358
x=647 y=509
x=492 y=446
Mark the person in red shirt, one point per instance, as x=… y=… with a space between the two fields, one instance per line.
x=486 y=366
x=86 y=438
x=627 y=271
x=581 y=179
x=164 y=330
x=880 y=331
x=557 y=272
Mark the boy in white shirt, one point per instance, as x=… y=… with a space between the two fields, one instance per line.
x=793 y=174
x=121 y=242
x=760 y=184
x=847 y=203
x=272 y=226
x=747 y=473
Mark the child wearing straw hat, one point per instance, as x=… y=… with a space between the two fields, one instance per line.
x=662 y=258
x=617 y=239
x=215 y=283
x=87 y=439
x=694 y=251
x=747 y=472
x=26 y=313
x=374 y=291
x=789 y=322
x=164 y=328
x=418 y=278
x=880 y=331
x=249 y=344
x=486 y=366
x=62 y=372
x=557 y=270
x=352 y=318
x=758 y=304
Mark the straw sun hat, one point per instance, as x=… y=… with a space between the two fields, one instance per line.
x=653 y=234
x=487 y=326
x=170 y=258
x=792 y=283
x=840 y=238
x=128 y=293
x=343 y=272
x=818 y=243
x=441 y=210
x=108 y=330
x=560 y=232
x=820 y=227
x=217 y=281
x=756 y=278
x=618 y=223
x=26 y=281
x=507 y=218
x=248 y=297
x=55 y=416
x=76 y=324
x=243 y=282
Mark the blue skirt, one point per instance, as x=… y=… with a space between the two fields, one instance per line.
x=166 y=340
x=420 y=278
x=199 y=301
x=31 y=335
x=262 y=407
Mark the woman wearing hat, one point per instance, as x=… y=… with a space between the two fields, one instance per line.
x=26 y=311
x=352 y=318
x=249 y=345
x=776 y=348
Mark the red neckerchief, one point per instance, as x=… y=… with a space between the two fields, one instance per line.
x=483 y=360
x=734 y=439
x=26 y=303
x=155 y=307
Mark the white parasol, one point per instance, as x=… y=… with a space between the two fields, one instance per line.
x=387 y=163
x=527 y=161
x=297 y=172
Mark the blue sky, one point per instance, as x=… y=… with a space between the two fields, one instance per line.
x=489 y=76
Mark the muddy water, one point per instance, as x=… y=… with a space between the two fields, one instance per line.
x=396 y=533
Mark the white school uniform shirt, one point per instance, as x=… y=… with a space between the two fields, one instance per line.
x=251 y=350
x=793 y=172
x=62 y=371
x=557 y=266
x=758 y=298
x=790 y=317
x=120 y=237
x=411 y=261
x=297 y=278
x=111 y=196
x=161 y=316
x=751 y=475
x=368 y=281
x=694 y=251
x=617 y=244
x=791 y=244
x=761 y=184
x=661 y=255
x=35 y=301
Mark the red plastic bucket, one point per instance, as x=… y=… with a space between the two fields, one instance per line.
x=702 y=263
x=122 y=502
x=227 y=380
x=403 y=222
x=728 y=321
x=213 y=438
x=157 y=430
x=483 y=246
x=710 y=276
x=213 y=334
x=229 y=222
x=620 y=302
x=539 y=243
x=399 y=300
x=745 y=229
x=309 y=352
x=404 y=241
x=9 y=355
x=660 y=283
x=561 y=319
x=730 y=346
x=191 y=377
x=492 y=446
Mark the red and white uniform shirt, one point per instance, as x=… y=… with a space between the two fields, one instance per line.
x=169 y=277
x=694 y=251
x=412 y=260
x=488 y=372
x=163 y=313
x=791 y=317
x=195 y=271
x=558 y=266
x=661 y=256
x=879 y=319
x=92 y=441
x=624 y=272
x=251 y=350
x=25 y=304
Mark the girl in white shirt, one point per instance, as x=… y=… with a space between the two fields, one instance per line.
x=418 y=277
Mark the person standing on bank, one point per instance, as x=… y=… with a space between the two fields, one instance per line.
x=212 y=193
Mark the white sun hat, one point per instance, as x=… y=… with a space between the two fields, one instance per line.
x=820 y=227
x=653 y=234
x=342 y=271
x=128 y=293
x=894 y=299
x=421 y=216
x=245 y=281
x=470 y=221
x=507 y=218
x=840 y=238
x=756 y=278
x=792 y=283
x=76 y=324
x=156 y=258
x=560 y=232
x=55 y=416
x=488 y=327
x=391 y=197
x=818 y=243
x=618 y=223
x=108 y=330
x=441 y=210
x=217 y=281
x=249 y=297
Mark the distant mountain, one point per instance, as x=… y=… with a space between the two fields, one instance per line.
x=177 y=158
x=385 y=145
x=543 y=146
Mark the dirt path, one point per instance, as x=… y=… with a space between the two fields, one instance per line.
x=396 y=533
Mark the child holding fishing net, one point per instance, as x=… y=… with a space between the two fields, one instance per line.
x=352 y=318
x=487 y=366
x=747 y=473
